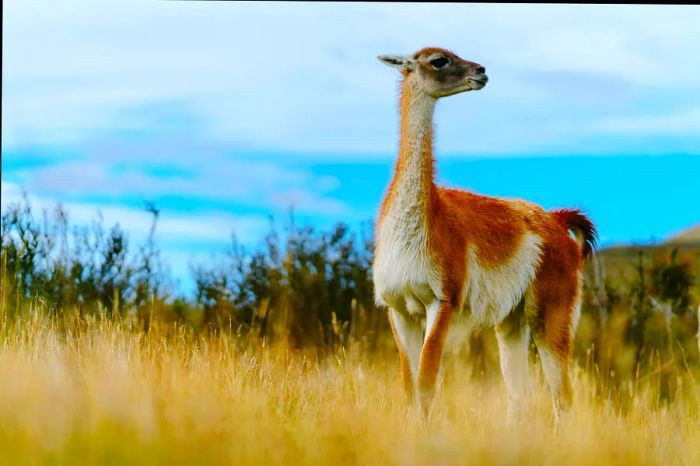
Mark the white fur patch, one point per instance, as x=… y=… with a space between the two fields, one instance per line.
x=493 y=292
x=401 y=266
x=576 y=314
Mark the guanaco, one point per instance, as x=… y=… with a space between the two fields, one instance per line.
x=500 y=262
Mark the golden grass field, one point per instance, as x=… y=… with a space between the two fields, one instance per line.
x=99 y=392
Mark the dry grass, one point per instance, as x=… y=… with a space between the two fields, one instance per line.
x=100 y=393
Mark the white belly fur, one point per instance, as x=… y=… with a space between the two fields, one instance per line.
x=403 y=271
x=492 y=292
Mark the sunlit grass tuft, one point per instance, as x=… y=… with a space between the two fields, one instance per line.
x=98 y=392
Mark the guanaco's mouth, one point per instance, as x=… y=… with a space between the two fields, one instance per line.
x=477 y=82
x=472 y=83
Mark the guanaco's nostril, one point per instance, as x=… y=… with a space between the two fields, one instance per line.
x=480 y=70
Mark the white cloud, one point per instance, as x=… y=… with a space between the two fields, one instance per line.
x=300 y=76
x=245 y=182
x=213 y=227
x=301 y=199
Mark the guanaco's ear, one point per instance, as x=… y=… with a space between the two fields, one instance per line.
x=398 y=61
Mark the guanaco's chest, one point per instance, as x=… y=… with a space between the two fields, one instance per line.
x=403 y=269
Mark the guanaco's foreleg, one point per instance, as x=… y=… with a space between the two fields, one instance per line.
x=409 y=339
x=437 y=323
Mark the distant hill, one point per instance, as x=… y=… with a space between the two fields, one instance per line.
x=689 y=236
x=686 y=240
x=624 y=259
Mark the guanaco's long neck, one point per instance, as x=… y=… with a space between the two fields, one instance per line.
x=412 y=184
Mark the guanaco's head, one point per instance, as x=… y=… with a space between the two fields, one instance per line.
x=439 y=72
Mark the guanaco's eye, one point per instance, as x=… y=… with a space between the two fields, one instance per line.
x=440 y=62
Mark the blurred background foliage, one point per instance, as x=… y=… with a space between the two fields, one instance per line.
x=313 y=288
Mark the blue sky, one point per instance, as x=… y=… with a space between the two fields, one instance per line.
x=226 y=113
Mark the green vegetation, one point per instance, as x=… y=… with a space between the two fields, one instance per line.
x=315 y=289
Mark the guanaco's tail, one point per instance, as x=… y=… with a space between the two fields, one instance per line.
x=581 y=226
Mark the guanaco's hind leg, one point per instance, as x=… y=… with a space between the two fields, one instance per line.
x=556 y=303
x=556 y=370
x=513 y=335
x=409 y=340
